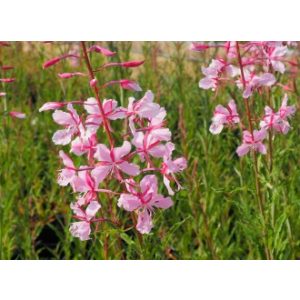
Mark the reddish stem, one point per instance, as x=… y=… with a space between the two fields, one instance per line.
x=257 y=182
x=96 y=92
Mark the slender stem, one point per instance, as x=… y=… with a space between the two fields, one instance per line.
x=96 y=92
x=256 y=172
x=270 y=136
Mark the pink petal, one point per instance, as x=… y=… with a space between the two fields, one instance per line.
x=62 y=137
x=158 y=150
x=101 y=172
x=267 y=79
x=120 y=152
x=102 y=153
x=78 y=147
x=92 y=209
x=148 y=110
x=216 y=128
x=91 y=106
x=149 y=184
x=144 y=224
x=261 y=148
x=138 y=139
x=207 y=83
x=162 y=134
x=161 y=202
x=242 y=150
x=65 y=177
x=82 y=230
x=62 y=118
x=247 y=92
x=109 y=105
x=129 y=202
x=67 y=161
x=129 y=168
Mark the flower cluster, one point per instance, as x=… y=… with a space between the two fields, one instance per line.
x=135 y=162
x=251 y=67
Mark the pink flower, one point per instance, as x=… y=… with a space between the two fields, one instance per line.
x=87 y=184
x=156 y=126
x=2 y=94
x=286 y=111
x=253 y=82
x=70 y=75
x=102 y=50
x=213 y=73
x=272 y=120
x=147 y=145
x=82 y=229
x=278 y=121
x=18 y=115
x=224 y=115
x=143 y=108
x=274 y=55
x=252 y=142
x=70 y=121
x=113 y=161
x=51 y=105
x=144 y=200
x=66 y=175
x=170 y=167
x=85 y=143
x=111 y=112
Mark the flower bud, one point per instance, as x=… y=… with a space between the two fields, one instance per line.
x=99 y=49
x=51 y=105
x=18 y=115
x=93 y=82
x=131 y=64
x=70 y=75
x=130 y=85
x=7 y=80
x=51 y=62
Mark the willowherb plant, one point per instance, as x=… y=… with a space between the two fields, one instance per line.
x=252 y=67
x=247 y=70
x=133 y=163
x=6 y=79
